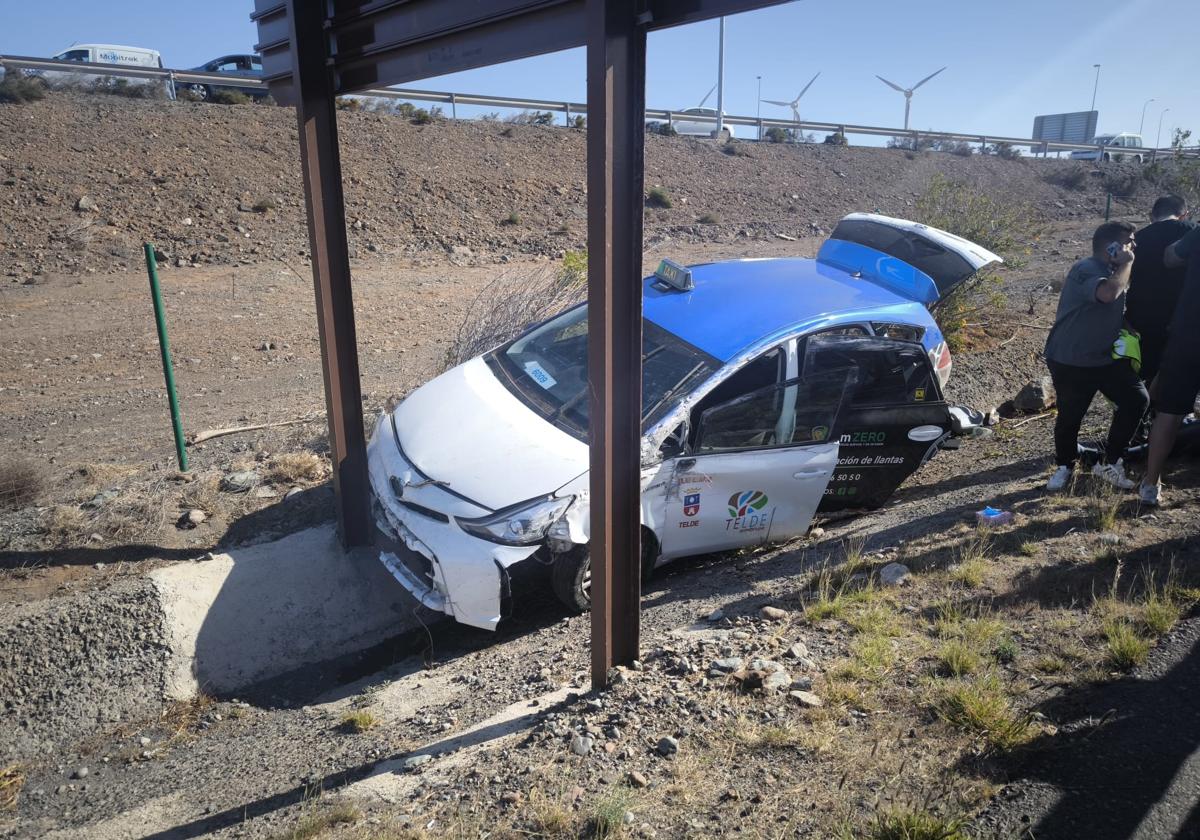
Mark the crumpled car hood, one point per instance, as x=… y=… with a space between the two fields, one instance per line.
x=466 y=429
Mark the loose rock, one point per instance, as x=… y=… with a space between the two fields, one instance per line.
x=581 y=744
x=894 y=574
x=667 y=746
x=806 y=698
x=773 y=613
x=1035 y=396
x=239 y=482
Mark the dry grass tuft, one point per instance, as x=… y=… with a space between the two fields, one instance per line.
x=12 y=779
x=296 y=467
x=320 y=819
x=958 y=659
x=22 y=481
x=981 y=706
x=1101 y=507
x=359 y=720
x=904 y=824
x=608 y=815
x=202 y=494
x=549 y=816
x=1125 y=648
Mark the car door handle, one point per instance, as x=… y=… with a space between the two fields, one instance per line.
x=807 y=473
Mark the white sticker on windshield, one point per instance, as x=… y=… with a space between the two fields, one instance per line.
x=539 y=375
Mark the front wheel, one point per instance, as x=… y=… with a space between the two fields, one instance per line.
x=571 y=579
x=571 y=573
x=200 y=93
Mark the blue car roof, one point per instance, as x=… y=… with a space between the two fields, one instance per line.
x=737 y=304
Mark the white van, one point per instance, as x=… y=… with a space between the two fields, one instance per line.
x=1114 y=146
x=105 y=54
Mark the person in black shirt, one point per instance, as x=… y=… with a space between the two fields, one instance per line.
x=1178 y=382
x=1153 y=287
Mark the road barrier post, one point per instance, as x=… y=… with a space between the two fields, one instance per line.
x=1107 y=206
x=160 y=321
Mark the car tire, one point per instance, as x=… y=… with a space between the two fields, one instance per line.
x=571 y=573
x=202 y=93
x=571 y=579
x=1107 y=156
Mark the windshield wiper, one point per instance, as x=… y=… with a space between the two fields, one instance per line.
x=686 y=378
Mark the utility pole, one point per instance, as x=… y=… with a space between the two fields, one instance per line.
x=721 y=82
x=1095 y=87
x=1142 y=121
x=758 y=108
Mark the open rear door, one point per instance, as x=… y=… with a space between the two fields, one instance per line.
x=913 y=260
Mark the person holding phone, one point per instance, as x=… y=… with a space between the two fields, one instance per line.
x=1079 y=354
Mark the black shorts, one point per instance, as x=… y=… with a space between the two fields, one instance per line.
x=1178 y=382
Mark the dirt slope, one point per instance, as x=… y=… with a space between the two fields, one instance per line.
x=188 y=176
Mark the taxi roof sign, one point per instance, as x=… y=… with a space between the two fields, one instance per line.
x=674 y=275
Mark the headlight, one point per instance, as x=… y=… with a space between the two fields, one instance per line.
x=521 y=524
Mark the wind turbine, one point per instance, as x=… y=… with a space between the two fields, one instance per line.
x=795 y=103
x=908 y=92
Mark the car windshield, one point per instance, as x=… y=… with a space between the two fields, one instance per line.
x=547 y=369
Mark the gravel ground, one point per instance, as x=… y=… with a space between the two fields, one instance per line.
x=76 y=664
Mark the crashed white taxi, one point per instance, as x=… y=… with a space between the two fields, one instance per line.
x=772 y=390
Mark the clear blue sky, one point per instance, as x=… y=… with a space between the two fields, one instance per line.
x=1007 y=61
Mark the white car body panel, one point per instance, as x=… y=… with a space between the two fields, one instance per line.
x=467 y=582
x=703 y=491
x=978 y=256
x=467 y=429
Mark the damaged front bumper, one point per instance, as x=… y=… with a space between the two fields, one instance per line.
x=421 y=544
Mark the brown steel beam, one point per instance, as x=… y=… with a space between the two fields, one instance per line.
x=322 y=169
x=376 y=43
x=616 y=98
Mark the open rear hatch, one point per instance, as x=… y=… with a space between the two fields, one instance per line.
x=913 y=260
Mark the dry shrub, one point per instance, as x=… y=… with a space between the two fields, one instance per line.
x=12 y=779
x=202 y=494
x=296 y=467
x=16 y=88
x=21 y=482
x=512 y=303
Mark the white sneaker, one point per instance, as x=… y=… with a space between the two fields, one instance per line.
x=1114 y=474
x=1150 y=494
x=1061 y=478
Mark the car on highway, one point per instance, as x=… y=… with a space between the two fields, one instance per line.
x=699 y=128
x=139 y=58
x=237 y=68
x=1114 y=146
x=772 y=390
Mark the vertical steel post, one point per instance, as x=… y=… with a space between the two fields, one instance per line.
x=453 y=107
x=1107 y=206
x=160 y=321
x=322 y=170
x=721 y=81
x=616 y=100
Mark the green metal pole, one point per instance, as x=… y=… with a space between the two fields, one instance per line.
x=161 y=321
x=1107 y=206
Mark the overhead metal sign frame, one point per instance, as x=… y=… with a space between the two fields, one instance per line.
x=316 y=50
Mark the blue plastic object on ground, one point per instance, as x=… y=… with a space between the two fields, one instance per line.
x=991 y=516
